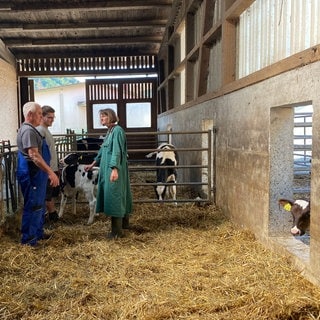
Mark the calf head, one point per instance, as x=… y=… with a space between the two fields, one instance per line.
x=70 y=159
x=300 y=211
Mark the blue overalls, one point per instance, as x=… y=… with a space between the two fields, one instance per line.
x=33 y=187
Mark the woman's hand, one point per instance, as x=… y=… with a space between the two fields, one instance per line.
x=114 y=175
x=89 y=167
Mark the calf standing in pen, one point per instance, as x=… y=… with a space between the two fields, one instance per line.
x=89 y=148
x=165 y=156
x=74 y=179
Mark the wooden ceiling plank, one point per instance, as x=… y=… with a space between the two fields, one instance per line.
x=101 y=25
x=108 y=41
x=84 y=27
x=86 y=5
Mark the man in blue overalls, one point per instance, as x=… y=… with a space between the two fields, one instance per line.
x=32 y=173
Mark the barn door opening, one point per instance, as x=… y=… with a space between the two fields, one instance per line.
x=290 y=161
x=134 y=100
x=26 y=90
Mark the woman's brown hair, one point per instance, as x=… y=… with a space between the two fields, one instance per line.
x=113 y=118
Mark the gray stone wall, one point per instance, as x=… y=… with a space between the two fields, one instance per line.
x=254 y=150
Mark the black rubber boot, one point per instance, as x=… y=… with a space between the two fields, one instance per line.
x=125 y=222
x=53 y=216
x=116 y=228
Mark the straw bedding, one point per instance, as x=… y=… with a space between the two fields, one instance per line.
x=176 y=262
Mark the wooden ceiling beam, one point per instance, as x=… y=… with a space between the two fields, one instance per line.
x=237 y=8
x=13 y=27
x=106 y=41
x=74 y=52
x=86 y=5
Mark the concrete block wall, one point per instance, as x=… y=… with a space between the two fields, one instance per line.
x=254 y=144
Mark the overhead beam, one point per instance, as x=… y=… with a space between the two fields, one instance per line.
x=86 y=5
x=237 y=8
x=107 y=41
x=74 y=52
x=13 y=27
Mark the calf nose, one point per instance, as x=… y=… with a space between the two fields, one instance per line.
x=295 y=231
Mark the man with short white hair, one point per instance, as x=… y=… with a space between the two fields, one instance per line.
x=33 y=171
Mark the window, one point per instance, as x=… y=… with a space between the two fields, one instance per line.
x=95 y=113
x=138 y=115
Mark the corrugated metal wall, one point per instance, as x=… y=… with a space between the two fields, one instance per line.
x=271 y=30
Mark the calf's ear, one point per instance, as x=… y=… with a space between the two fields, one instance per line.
x=286 y=204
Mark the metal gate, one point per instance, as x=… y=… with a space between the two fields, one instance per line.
x=196 y=167
x=9 y=194
x=198 y=158
x=302 y=152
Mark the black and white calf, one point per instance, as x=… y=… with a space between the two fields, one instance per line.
x=166 y=155
x=88 y=147
x=300 y=211
x=74 y=179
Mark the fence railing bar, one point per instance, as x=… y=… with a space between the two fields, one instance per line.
x=195 y=200
x=168 y=184
x=142 y=168
x=155 y=150
x=67 y=143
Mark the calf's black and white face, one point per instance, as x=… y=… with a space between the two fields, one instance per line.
x=300 y=211
x=70 y=159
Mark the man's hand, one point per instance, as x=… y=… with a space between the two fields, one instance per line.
x=54 y=180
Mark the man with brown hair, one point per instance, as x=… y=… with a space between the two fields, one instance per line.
x=48 y=116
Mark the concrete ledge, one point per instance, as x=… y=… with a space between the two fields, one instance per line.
x=297 y=251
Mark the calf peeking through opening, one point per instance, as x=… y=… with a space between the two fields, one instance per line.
x=300 y=211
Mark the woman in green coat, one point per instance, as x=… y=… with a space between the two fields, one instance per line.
x=114 y=197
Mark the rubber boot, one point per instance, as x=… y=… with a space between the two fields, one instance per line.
x=53 y=216
x=116 y=228
x=125 y=222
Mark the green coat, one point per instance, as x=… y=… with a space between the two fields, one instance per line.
x=114 y=198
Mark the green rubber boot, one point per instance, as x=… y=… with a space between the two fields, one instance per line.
x=116 y=228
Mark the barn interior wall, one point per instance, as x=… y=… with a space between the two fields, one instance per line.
x=8 y=102
x=244 y=130
x=281 y=166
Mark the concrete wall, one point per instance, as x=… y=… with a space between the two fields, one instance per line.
x=69 y=104
x=254 y=150
x=8 y=102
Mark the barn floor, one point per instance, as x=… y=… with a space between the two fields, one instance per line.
x=177 y=262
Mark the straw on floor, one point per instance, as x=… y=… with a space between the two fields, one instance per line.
x=176 y=262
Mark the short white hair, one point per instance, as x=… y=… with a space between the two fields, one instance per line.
x=30 y=106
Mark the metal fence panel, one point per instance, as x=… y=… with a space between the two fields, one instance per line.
x=11 y=199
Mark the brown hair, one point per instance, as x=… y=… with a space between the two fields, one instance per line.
x=113 y=118
x=46 y=110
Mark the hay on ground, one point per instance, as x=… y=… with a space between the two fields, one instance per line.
x=176 y=262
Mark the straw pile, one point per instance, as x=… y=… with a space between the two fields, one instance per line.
x=177 y=262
